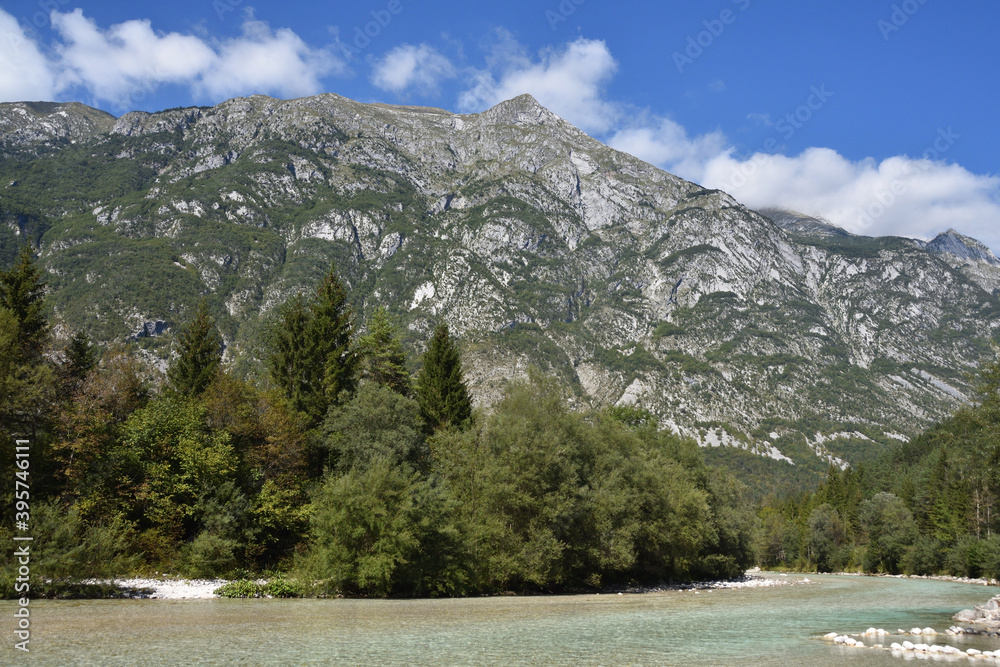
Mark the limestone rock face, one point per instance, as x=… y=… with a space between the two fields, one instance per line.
x=773 y=333
x=38 y=124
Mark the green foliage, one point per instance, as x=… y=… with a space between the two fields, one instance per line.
x=377 y=424
x=199 y=355
x=441 y=391
x=241 y=588
x=80 y=357
x=382 y=358
x=380 y=531
x=330 y=335
x=279 y=587
x=666 y=330
x=554 y=499
x=311 y=354
x=66 y=550
x=22 y=292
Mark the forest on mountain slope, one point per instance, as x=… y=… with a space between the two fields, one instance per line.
x=339 y=472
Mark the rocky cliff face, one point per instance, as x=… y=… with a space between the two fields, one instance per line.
x=539 y=245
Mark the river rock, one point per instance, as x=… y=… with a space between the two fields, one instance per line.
x=928 y=631
x=895 y=646
x=915 y=631
x=908 y=645
x=830 y=635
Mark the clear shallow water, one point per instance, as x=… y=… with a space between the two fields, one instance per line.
x=765 y=626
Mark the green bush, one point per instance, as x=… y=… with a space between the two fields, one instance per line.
x=280 y=587
x=241 y=588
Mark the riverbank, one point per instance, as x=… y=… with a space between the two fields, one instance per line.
x=168 y=589
x=928 y=577
x=203 y=589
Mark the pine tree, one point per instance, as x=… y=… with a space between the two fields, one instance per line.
x=200 y=355
x=22 y=292
x=441 y=391
x=383 y=359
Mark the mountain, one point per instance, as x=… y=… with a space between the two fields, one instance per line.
x=775 y=334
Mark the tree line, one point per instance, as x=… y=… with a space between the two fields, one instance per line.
x=340 y=470
x=926 y=507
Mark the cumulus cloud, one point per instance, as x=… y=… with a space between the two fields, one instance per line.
x=24 y=72
x=916 y=197
x=568 y=81
x=665 y=143
x=115 y=63
x=127 y=61
x=266 y=61
x=408 y=67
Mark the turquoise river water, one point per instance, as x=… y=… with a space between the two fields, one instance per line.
x=758 y=626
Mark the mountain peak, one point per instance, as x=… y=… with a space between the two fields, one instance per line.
x=521 y=110
x=964 y=247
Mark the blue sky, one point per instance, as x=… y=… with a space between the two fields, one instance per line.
x=879 y=115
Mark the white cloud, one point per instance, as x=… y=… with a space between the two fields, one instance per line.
x=665 y=143
x=899 y=196
x=262 y=61
x=127 y=61
x=915 y=197
x=568 y=81
x=408 y=67
x=25 y=74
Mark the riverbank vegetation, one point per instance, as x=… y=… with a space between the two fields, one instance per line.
x=339 y=468
x=926 y=507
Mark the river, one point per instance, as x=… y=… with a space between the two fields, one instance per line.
x=755 y=626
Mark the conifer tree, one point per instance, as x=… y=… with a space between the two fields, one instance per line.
x=80 y=357
x=331 y=332
x=312 y=357
x=200 y=355
x=289 y=355
x=383 y=359
x=22 y=292
x=441 y=391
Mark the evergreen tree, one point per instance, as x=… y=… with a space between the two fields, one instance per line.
x=383 y=359
x=331 y=331
x=289 y=360
x=22 y=292
x=441 y=391
x=311 y=357
x=200 y=355
x=80 y=357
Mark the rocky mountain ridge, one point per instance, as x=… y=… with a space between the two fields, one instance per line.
x=538 y=244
